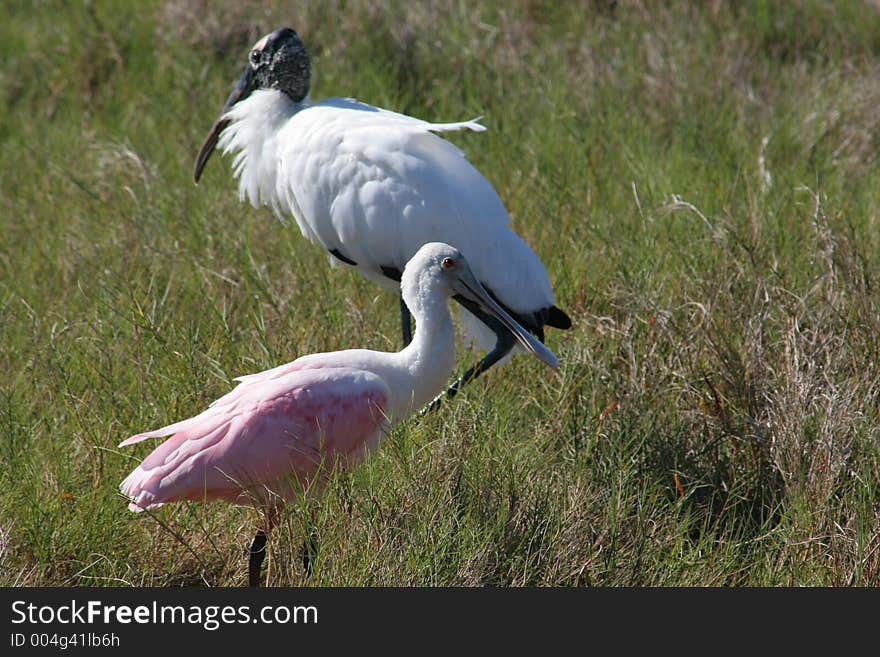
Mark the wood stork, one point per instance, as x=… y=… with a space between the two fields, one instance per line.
x=371 y=186
x=281 y=431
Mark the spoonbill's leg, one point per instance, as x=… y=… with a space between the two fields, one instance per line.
x=309 y=551
x=257 y=552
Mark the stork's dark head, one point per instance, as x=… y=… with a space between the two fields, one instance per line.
x=277 y=61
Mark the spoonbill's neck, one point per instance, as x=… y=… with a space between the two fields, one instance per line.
x=426 y=364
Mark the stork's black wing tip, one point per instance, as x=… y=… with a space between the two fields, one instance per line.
x=557 y=318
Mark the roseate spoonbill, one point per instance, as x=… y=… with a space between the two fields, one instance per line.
x=282 y=430
x=371 y=186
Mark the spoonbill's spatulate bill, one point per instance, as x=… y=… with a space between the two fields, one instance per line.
x=372 y=186
x=280 y=431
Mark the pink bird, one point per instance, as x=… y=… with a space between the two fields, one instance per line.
x=282 y=431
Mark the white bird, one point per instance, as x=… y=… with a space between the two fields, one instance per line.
x=371 y=186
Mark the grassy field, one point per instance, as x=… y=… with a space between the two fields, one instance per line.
x=702 y=183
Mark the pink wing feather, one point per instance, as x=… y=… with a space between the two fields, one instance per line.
x=270 y=433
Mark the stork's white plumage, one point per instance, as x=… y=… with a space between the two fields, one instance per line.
x=372 y=186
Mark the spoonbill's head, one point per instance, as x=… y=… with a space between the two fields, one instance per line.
x=440 y=269
x=277 y=61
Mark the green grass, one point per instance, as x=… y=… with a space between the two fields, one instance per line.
x=702 y=182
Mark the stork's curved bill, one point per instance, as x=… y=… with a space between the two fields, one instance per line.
x=242 y=90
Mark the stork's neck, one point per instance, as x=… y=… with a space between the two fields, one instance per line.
x=253 y=134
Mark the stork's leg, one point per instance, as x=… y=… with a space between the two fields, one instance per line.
x=504 y=342
x=405 y=323
x=257 y=553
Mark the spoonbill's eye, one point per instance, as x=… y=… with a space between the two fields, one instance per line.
x=448 y=263
x=255 y=57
